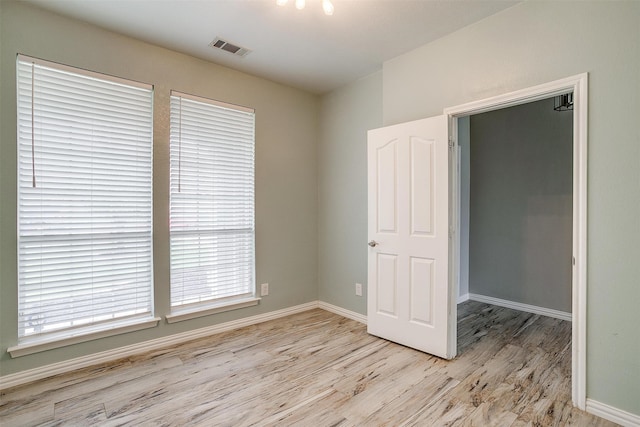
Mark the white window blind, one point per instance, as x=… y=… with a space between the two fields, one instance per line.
x=84 y=200
x=212 y=201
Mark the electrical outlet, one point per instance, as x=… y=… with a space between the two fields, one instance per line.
x=359 y=289
x=264 y=289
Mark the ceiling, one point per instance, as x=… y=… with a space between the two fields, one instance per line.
x=301 y=48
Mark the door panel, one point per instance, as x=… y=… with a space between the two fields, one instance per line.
x=388 y=274
x=422 y=270
x=386 y=164
x=409 y=232
x=421 y=186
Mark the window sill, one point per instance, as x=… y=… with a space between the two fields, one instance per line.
x=49 y=343
x=206 y=310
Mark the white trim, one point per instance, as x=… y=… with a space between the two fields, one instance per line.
x=577 y=84
x=519 y=97
x=624 y=418
x=562 y=315
x=463 y=298
x=579 y=285
x=36 y=346
x=362 y=318
x=23 y=377
x=202 y=311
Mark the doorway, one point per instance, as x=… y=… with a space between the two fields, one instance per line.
x=516 y=207
x=577 y=86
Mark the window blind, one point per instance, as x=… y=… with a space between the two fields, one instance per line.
x=211 y=201
x=84 y=199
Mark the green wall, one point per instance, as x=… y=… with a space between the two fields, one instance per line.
x=286 y=166
x=346 y=115
x=537 y=42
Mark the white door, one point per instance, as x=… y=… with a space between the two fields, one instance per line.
x=408 y=284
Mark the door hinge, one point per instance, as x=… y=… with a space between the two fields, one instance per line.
x=452 y=143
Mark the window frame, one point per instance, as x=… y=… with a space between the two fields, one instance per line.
x=34 y=342
x=215 y=305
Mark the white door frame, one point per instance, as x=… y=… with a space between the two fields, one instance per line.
x=578 y=85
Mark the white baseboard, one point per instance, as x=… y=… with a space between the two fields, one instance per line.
x=610 y=413
x=343 y=312
x=562 y=315
x=463 y=298
x=41 y=372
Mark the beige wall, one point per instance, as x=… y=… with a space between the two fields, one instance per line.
x=346 y=115
x=537 y=42
x=286 y=166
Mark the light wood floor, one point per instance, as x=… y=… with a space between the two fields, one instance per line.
x=319 y=369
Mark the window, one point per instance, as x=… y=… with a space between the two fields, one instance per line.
x=84 y=201
x=212 y=202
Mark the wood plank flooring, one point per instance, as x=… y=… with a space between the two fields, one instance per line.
x=320 y=369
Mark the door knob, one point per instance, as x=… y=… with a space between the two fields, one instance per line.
x=373 y=243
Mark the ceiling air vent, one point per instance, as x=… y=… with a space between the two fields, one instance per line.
x=221 y=44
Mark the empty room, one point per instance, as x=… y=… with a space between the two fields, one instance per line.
x=318 y=213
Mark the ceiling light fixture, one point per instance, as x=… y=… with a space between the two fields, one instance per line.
x=327 y=6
